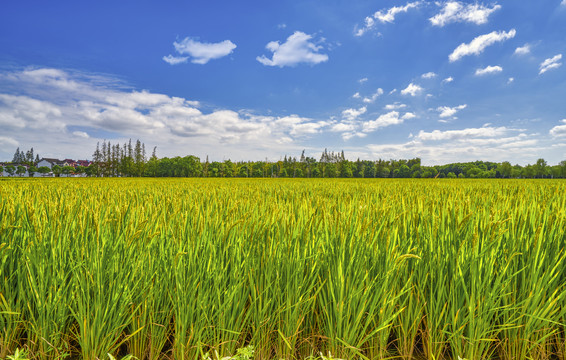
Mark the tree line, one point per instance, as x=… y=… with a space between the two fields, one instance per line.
x=130 y=160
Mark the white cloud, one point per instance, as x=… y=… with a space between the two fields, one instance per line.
x=81 y=134
x=342 y=127
x=388 y=16
x=374 y=96
x=510 y=80
x=489 y=70
x=478 y=45
x=408 y=116
x=384 y=16
x=563 y=3
x=461 y=149
x=412 y=89
x=446 y=111
x=391 y=118
x=348 y=135
x=482 y=132
x=352 y=114
x=559 y=130
x=282 y=26
x=61 y=113
x=448 y=80
x=395 y=106
x=523 y=50
x=357 y=95
x=175 y=60
x=550 y=63
x=200 y=52
x=8 y=141
x=428 y=75
x=363 y=80
x=297 y=49
x=455 y=11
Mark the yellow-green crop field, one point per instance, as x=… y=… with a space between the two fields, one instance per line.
x=365 y=269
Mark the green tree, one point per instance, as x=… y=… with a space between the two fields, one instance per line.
x=346 y=169
x=505 y=169
x=80 y=170
x=67 y=170
x=43 y=170
x=29 y=156
x=32 y=170
x=384 y=172
x=21 y=170
x=19 y=157
x=562 y=166
x=404 y=171
x=331 y=170
x=541 y=168
x=56 y=169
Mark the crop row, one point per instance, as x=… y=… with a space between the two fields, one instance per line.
x=175 y=268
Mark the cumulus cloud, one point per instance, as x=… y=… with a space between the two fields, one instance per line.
x=510 y=80
x=363 y=80
x=199 y=52
x=428 y=75
x=550 y=63
x=297 y=49
x=559 y=130
x=373 y=97
x=391 y=118
x=492 y=144
x=455 y=11
x=357 y=95
x=175 y=60
x=447 y=111
x=395 y=106
x=384 y=16
x=523 y=50
x=299 y=126
x=478 y=44
x=8 y=141
x=348 y=135
x=352 y=114
x=342 y=127
x=81 y=134
x=388 y=16
x=448 y=80
x=412 y=89
x=489 y=70
x=63 y=114
x=486 y=131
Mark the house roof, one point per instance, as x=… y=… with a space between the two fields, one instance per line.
x=52 y=160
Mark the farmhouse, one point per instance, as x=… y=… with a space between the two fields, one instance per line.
x=50 y=162
x=46 y=162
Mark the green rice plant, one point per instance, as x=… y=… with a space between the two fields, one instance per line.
x=104 y=282
x=45 y=292
x=408 y=322
x=359 y=268
x=356 y=303
x=149 y=328
x=11 y=322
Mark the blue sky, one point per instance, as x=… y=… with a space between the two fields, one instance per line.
x=444 y=81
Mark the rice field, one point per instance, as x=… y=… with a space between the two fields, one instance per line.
x=364 y=269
